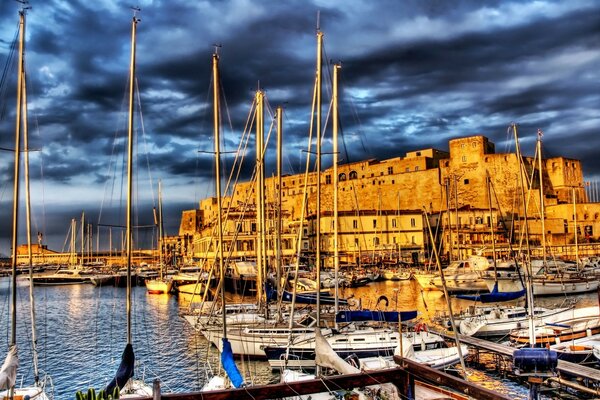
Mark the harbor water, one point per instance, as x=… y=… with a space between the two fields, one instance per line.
x=82 y=333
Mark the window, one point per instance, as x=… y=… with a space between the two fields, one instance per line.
x=462 y=146
x=374 y=223
x=418 y=154
x=407 y=169
x=355 y=224
x=464 y=158
x=466 y=181
x=375 y=241
x=342 y=177
x=356 y=242
x=353 y=175
x=327 y=179
x=390 y=170
x=473 y=144
x=413 y=222
x=394 y=223
x=417 y=168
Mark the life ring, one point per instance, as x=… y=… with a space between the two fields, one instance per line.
x=421 y=327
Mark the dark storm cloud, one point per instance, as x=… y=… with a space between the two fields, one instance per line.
x=414 y=74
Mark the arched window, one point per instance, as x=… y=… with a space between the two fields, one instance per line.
x=342 y=177
x=353 y=175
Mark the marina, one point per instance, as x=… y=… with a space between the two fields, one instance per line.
x=468 y=271
x=81 y=325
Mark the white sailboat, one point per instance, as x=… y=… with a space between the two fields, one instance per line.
x=8 y=372
x=162 y=284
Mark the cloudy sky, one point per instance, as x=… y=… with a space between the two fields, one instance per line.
x=414 y=74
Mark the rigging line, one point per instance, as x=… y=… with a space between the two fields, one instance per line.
x=7 y=71
x=112 y=164
x=146 y=152
x=286 y=156
x=203 y=119
x=360 y=126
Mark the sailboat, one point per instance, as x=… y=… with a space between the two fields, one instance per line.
x=162 y=284
x=8 y=372
x=227 y=361
x=123 y=381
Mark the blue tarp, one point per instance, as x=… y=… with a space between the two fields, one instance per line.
x=372 y=315
x=229 y=366
x=493 y=297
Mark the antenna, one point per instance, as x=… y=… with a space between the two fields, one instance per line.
x=217 y=46
x=318 y=20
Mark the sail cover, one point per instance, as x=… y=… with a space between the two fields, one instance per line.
x=125 y=370
x=494 y=296
x=374 y=315
x=8 y=372
x=229 y=366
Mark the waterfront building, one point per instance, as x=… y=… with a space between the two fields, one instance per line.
x=382 y=206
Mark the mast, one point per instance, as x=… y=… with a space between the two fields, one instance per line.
x=73 y=256
x=575 y=225
x=336 y=254
x=542 y=206
x=318 y=177
x=489 y=193
x=82 y=237
x=160 y=231
x=260 y=211
x=28 y=225
x=528 y=278
x=216 y=119
x=279 y=224
x=129 y=236
x=15 y=226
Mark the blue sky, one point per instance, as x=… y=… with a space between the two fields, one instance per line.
x=415 y=74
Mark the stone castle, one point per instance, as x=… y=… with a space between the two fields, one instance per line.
x=386 y=208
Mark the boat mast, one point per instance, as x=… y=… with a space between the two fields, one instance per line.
x=575 y=227
x=279 y=222
x=28 y=226
x=493 y=236
x=336 y=254
x=129 y=235
x=542 y=205
x=15 y=226
x=318 y=175
x=216 y=120
x=260 y=211
x=160 y=231
x=82 y=237
x=528 y=278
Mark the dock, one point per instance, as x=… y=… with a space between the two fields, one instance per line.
x=582 y=373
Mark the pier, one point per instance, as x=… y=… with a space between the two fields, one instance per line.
x=586 y=375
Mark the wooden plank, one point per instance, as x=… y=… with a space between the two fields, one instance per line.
x=423 y=372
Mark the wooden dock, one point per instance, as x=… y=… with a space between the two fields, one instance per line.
x=565 y=367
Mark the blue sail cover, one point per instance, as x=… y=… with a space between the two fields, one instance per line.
x=124 y=372
x=372 y=315
x=494 y=296
x=229 y=366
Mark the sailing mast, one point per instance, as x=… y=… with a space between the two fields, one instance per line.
x=528 y=277
x=279 y=222
x=260 y=211
x=216 y=121
x=542 y=206
x=34 y=351
x=129 y=237
x=15 y=226
x=318 y=174
x=336 y=254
